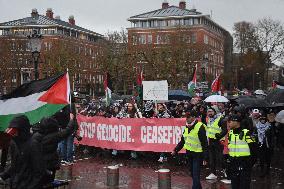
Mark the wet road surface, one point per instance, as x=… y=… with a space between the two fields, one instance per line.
x=90 y=173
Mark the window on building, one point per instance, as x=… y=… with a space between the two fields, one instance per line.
x=142 y=39
x=158 y=41
x=188 y=21
x=51 y=31
x=26 y=77
x=186 y=38
x=144 y=24
x=59 y=31
x=177 y=22
x=134 y=40
x=158 y=23
x=173 y=22
x=20 y=46
x=205 y=39
x=149 y=38
x=155 y=23
x=13 y=46
x=196 y=21
x=45 y=46
x=194 y=38
x=20 y=61
x=206 y=56
x=166 y=39
x=14 y=78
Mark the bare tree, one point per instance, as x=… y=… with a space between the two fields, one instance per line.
x=270 y=39
x=259 y=45
x=245 y=37
x=114 y=59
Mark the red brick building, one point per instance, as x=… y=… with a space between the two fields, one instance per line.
x=199 y=33
x=64 y=45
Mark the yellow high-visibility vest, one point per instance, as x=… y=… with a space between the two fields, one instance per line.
x=238 y=147
x=192 y=142
x=214 y=128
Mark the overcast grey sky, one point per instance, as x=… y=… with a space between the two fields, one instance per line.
x=103 y=15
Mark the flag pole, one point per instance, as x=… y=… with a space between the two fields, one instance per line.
x=156 y=107
x=70 y=99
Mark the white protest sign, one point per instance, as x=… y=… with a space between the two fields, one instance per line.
x=155 y=90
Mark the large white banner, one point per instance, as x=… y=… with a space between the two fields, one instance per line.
x=155 y=90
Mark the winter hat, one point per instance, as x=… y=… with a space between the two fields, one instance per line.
x=20 y=122
x=191 y=113
x=48 y=125
x=22 y=125
x=211 y=109
x=235 y=117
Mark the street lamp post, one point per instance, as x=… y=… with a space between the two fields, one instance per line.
x=203 y=67
x=35 y=45
x=253 y=80
x=259 y=81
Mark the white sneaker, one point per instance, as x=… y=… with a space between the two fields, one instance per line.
x=211 y=177
x=161 y=159
x=69 y=163
x=63 y=162
x=226 y=181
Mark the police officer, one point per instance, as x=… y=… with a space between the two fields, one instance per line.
x=194 y=141
x=240 y=154
x=216 y=130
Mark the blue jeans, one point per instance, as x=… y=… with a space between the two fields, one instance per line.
x=65 y=148
x=195 y=168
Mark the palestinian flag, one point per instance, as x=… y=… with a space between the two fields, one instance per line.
x=277 y=85
x=216 y=85
x=192 y=84
x=36 y=100
x=107 y=86
x=139 y=89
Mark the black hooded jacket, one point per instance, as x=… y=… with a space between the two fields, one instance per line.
x=49 y=135
x=27 y=169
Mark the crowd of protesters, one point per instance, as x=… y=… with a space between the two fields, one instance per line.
x=222 y=121
x=52 y=140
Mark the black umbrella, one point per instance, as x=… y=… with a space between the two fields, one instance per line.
x=276 y=96
x=179 y=95
x=252 y=102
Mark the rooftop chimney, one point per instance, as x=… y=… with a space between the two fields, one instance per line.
x=182 y=4
x=165 y=4
x=49 y=13
x=34 y=13
x=71 y=20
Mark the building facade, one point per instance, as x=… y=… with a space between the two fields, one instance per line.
x=64 y=45
x=201 y=41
